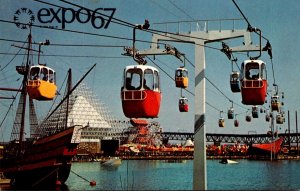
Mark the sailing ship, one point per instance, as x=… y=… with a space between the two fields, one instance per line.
x=45 y=157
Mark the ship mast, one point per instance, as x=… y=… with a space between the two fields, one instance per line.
x=24 y=96
x=69 y=87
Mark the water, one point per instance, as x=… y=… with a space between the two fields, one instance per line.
x=159 y=175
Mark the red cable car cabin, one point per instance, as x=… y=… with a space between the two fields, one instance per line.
x=183 y=104
x=140 y=94
x=236 y=123
x=253 y=82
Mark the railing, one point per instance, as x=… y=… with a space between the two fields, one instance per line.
x=230 y=138
x=200 y=25
x=33 y=83
x=252 y=83
x=133 y=95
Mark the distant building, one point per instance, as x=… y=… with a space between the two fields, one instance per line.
x=85 y=109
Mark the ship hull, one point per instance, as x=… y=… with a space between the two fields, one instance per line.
x=45 y=161
x=43 y=177
x=265 y=149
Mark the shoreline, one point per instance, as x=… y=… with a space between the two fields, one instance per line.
x=180 y=158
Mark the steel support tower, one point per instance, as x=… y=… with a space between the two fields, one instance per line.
x=200 y=39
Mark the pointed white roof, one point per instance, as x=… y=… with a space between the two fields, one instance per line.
x=84 y=109
x=84 y=113
x=189 y=143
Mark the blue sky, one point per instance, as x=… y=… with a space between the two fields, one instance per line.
x=277 y=19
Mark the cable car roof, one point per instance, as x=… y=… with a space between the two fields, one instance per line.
x=181 y=68
x=253 y=61
x=183 y=98
x=41 y=66
x=142 y=67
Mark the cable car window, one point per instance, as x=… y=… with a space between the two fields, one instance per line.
x=51 y=76
x=263 y=72
x=252 y=71
x=128 y=84
x=184 y=73
x=183 y=101
x=235 y=76
x=178 y=73
x=44 y=74
x=156 y=80
x=34 y=73
x=134 y=79
x=148 y=79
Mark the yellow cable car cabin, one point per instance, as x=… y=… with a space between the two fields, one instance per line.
x=181 y=78
x=275 y=103
x=280 y=119
x=221 y=122
x=41 y=83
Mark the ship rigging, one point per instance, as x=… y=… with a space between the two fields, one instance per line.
x=44 y=158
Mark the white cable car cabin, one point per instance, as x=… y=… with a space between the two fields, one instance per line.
x=253 y=82
x=41 y=83
x=140 y=94
x=183 y=104
x=275 y=103
x=221 y=122
x=255 y=111
x=235 y=81
x=230 y=113
x=181 y=78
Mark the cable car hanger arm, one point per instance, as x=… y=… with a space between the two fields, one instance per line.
x=138 y=56
x=251 y=29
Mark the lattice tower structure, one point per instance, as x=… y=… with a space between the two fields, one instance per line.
x=149 y=134
x=85 y=109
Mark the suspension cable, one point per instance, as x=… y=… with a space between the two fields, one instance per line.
x=249 y=25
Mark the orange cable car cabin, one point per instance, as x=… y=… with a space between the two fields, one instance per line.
x=253 y=82
x=183 y=104
x=140 y=94
x=41 y=83
x=181 y=78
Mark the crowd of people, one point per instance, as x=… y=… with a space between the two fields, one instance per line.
x=227 y=150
